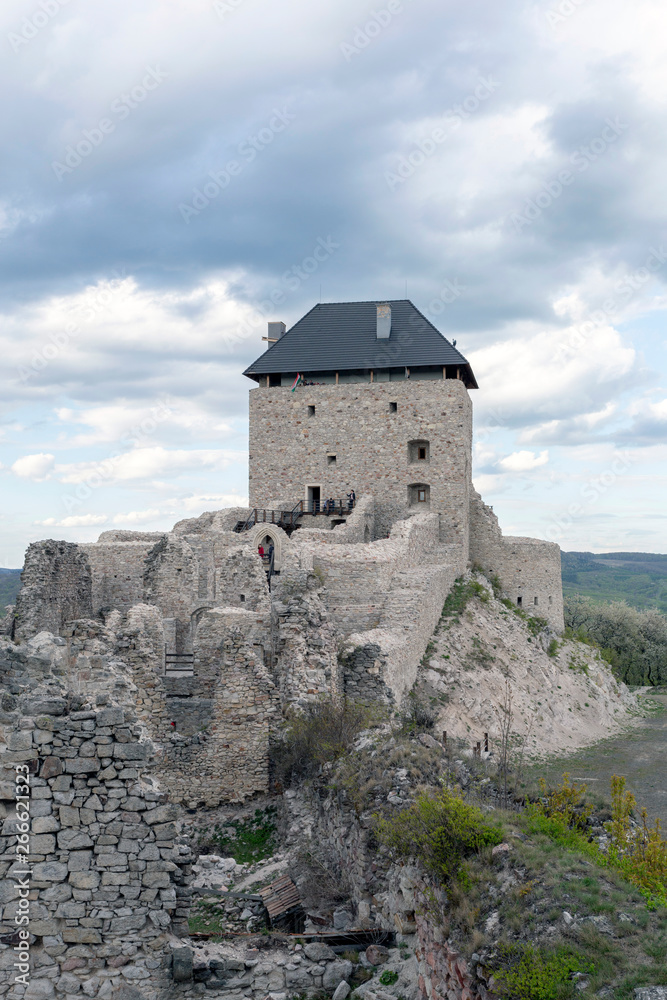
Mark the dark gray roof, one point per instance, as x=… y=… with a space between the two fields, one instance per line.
x=339 y=336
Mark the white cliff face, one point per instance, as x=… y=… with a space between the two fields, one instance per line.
x=559 y=702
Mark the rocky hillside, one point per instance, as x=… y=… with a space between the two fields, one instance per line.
x=563 y=695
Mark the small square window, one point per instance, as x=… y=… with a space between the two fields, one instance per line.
x=421 y=454
x=331 y=459
x=421 y=496
x=311 y=411
x=393 y=407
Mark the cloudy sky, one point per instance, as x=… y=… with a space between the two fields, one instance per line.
x=169 y=168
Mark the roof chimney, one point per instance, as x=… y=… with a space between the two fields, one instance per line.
x=383 y=328
x=276 y=330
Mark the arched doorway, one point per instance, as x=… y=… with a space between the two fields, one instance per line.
x=266 y=535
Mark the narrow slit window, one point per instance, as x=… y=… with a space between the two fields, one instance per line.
x=311 y=411
x=519 y=601
x=421 y=454
x=535 y=601
x=393 y=407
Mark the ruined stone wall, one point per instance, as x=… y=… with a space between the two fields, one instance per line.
x=117 y=569
x=528 y=568
x=171 y=582
x=385 y=598
x=291 y=447
x=232 y=763
x=304 y=646
x=55 y=588
x=108 y=877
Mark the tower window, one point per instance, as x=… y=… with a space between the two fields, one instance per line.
x=331 y=459
x=535 y=601
x=519 y=601
x=550 y=601
x=311 y=411
x=418 y=451
x=393 y=407
x=418 y=493
x=243 y=597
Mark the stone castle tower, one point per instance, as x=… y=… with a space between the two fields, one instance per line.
x=382 y=406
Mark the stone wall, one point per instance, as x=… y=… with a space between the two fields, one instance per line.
x=55 y=588
x=529 y=569
x=108 y=876
x=232 y=762
x=117 y=569
x=293 y=437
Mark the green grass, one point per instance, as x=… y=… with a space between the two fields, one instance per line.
x=247 y=841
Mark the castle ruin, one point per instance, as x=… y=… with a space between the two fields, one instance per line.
x=365 y=397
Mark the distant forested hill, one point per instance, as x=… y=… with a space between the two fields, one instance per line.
x=10 y=581
x=640 y=578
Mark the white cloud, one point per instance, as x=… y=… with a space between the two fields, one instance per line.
x=145 y=464
x=76 y=521
x=524 y=461
x=206 y=502
x=136 y=516
x=37 y=467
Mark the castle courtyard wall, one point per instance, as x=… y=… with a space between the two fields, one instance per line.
x=529 y=569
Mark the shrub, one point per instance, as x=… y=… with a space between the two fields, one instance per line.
x=441 y=830
x=528 y=973
x=388 y=978
x=319 y=735
x=565 y=803
x=553 y=647
x=416 y=717
x=639 y=853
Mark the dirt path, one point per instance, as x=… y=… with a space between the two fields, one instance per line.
x=639 y=755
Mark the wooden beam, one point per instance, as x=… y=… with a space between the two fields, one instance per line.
x=336 y=378
x=271 y=340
